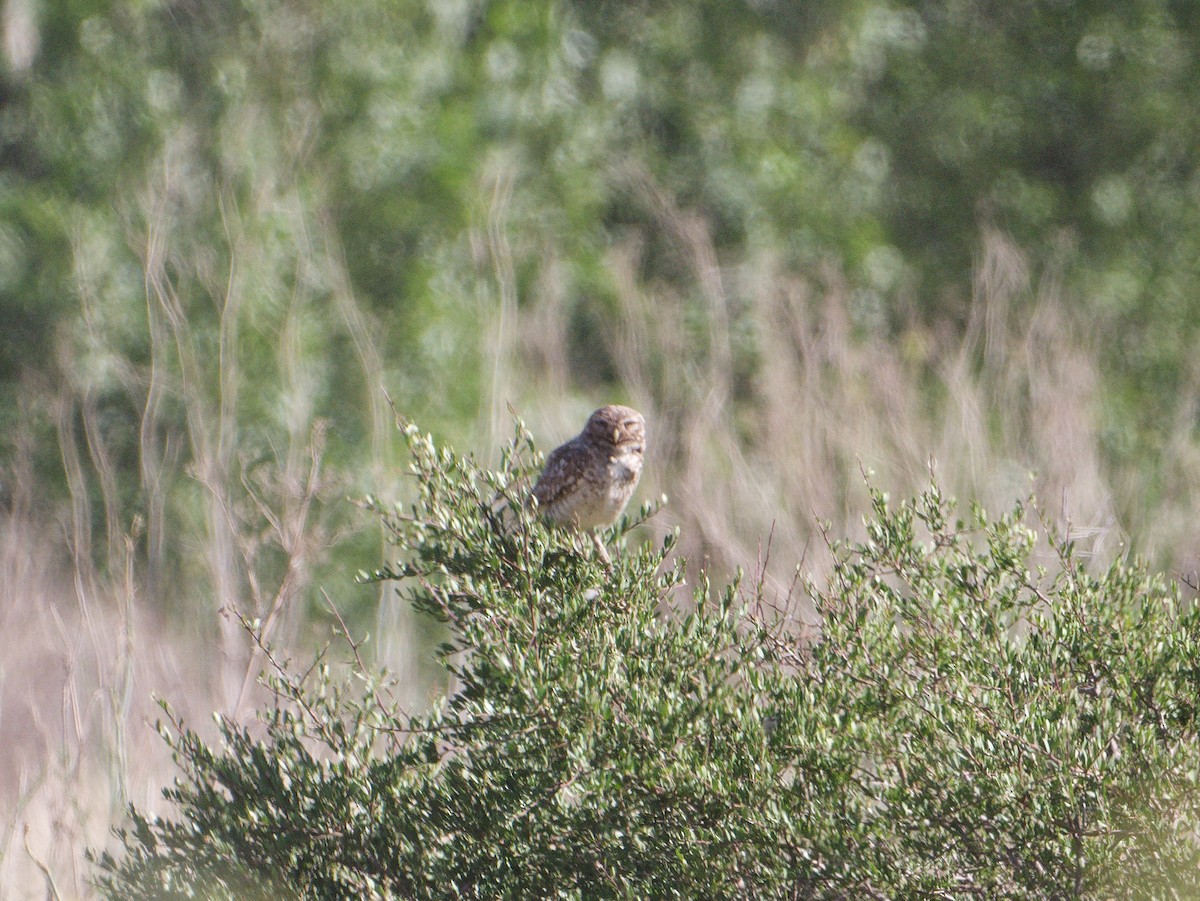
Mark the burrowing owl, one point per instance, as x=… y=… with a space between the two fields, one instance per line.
x=588 y=481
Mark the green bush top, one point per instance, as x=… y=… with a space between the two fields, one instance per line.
x=955 y=722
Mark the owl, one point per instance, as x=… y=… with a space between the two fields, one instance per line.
x=588 y=481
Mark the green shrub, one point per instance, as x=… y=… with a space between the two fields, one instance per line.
x=960 y=724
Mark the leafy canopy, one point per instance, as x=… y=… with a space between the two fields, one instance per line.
x=958 y=722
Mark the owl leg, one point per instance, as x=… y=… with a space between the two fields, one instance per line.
x=603 y=551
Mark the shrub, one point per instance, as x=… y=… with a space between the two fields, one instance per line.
x=957 y=723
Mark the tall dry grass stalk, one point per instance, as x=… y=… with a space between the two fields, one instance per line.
x=116 y=596
x=84 y=654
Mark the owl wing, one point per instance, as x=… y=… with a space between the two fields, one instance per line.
x=559 y=479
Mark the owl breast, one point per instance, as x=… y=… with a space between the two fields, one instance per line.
x=625 y=469
x=623 y=473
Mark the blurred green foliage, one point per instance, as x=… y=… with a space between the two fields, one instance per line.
x=311 y=178
x=1072 y=126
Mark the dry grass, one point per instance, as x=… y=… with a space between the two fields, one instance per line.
x=90 y=643
x=82 y=657
x=765 y=416
x=115 y=596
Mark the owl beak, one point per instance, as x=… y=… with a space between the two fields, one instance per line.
x=616 y=436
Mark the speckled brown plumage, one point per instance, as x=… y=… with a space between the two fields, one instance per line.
x=588 y=481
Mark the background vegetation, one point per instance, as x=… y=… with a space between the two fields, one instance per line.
x=802 y=238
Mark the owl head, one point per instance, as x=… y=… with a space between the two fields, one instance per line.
x=621 y=427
